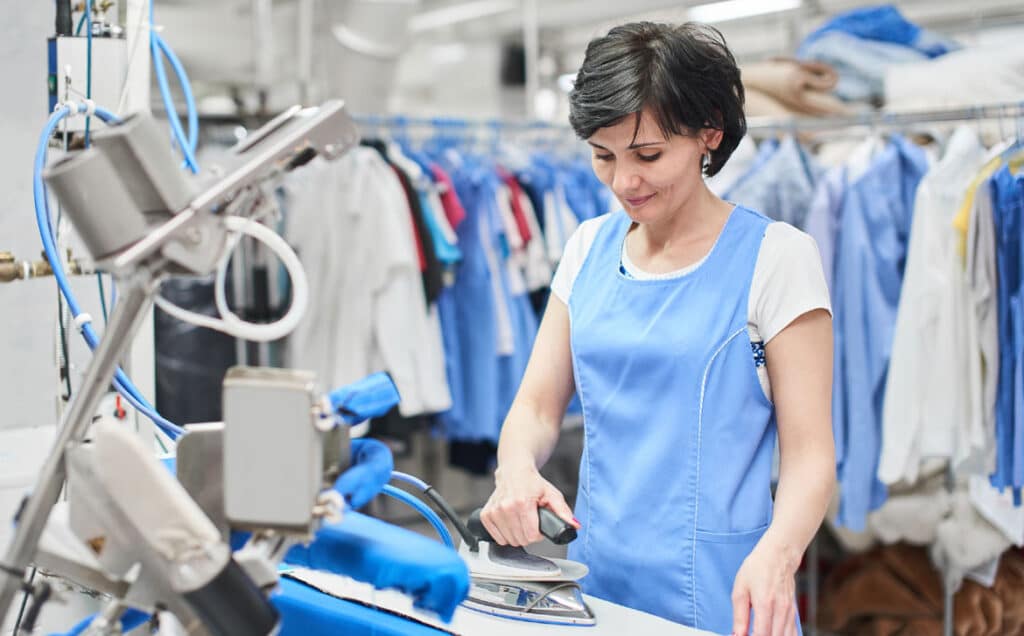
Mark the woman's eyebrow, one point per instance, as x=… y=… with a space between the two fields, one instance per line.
x=634 y=146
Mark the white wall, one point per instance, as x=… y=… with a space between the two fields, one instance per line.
x=27 y=309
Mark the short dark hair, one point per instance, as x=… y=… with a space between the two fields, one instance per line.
x=685 y=73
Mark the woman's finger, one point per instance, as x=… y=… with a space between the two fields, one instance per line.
x=740 y=609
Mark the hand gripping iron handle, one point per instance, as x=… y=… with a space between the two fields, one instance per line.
x=551 y=526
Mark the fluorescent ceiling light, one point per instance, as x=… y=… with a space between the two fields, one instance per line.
x=462 y=12
x=736 y=9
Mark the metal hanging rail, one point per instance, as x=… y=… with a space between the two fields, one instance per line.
x=884 y=119
x=456 y=123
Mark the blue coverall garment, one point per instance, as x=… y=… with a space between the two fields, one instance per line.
x=675 y=481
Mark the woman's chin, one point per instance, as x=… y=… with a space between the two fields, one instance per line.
x=639 y=215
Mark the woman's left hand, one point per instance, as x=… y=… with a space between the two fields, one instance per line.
x=766 y=584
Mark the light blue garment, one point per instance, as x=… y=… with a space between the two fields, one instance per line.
x=822 y=221
x=765 y=150
x=871 y=252
x=782 y=185
x=860 y=63
x=883 y=23
x=447 y=253
x=675 y=480
x=511 y=368
x=1007 y=192
x=586 y=195
x=483 y=383
x=469 y=316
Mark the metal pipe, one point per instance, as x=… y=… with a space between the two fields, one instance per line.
x=33 y=517
x=305 y=49
x=12 y=269
x=531 y=49
x=888 y=119
x=263 y=41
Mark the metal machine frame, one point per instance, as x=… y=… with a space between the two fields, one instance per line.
x=186 y=240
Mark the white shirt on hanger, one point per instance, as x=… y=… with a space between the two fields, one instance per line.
x=983 y=322
x=926 y=410
x=537 y=269
x=517 y=255
x=505 y=338
x=350 y=223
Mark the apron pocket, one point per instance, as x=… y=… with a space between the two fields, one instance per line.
x=719 y=556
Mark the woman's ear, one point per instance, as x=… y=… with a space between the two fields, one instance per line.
x=711 y=137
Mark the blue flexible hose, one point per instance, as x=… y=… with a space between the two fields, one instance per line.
x=412 y=480
x=423 y=509
x=159 y=49
x=192 y=112
x=121 y=381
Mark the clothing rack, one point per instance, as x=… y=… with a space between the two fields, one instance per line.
x=887 y=119
x=871 y=121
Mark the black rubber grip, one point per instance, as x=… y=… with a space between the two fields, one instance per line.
x=551 y=526
x=476 y=527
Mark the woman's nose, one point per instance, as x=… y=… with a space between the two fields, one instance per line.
x=626 y=179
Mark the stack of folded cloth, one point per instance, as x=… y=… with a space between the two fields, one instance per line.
x=863 y=43
x=784 y=87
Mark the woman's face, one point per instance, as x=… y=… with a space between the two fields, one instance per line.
x=651 y=176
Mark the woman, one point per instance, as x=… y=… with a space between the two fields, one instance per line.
x=693 y=331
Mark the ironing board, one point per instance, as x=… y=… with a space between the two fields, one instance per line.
x=612 y=619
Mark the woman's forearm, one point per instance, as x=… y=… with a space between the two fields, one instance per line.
x=527 y=440
x=804 y=490
x=800 y=369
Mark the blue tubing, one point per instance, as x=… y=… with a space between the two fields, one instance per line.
x=423 y=509
x=410 y=479
x=121 y=381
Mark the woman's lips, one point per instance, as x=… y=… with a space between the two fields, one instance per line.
x=638 y=201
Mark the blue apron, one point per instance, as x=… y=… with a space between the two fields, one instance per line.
x=675 y=477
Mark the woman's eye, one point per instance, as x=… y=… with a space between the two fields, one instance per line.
x=604 y=157
x=653 y=157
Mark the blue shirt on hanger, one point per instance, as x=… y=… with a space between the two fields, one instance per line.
x=1007 y=208
x=765 y=150
x=871 y=253
x=781 y=186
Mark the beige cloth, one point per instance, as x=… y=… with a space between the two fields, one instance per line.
x=782 y=86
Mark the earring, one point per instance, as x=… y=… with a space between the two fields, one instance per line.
x=705 y=162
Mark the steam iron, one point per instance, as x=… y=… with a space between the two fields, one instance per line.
x=510 y=582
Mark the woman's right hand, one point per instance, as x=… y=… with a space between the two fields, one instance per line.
x=510 y=514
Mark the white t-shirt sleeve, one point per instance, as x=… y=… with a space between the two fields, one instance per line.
x=788 y=281
x=573 y=256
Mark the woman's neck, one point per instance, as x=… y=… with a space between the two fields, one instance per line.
x=701 y=214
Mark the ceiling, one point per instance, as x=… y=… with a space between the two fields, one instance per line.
x=246 y=43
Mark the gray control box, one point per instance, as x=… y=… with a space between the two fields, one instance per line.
x=273 y=450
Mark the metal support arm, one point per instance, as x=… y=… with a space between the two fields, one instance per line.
x=131 y=306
